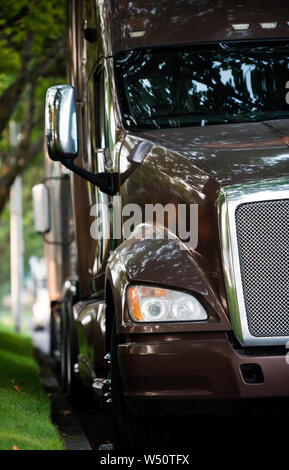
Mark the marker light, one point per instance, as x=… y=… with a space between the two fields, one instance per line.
x=136 y=34
x=152 y=304
x=240 y=27
x=268 y=25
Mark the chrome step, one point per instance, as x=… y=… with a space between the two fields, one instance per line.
x=102 y=388
x=76 y=368
x=107 y=359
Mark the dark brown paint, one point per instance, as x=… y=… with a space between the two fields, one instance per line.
x=188 y=21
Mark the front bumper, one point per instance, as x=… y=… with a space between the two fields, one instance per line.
x=201 y=366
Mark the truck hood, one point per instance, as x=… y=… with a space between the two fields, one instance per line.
x=231 y=153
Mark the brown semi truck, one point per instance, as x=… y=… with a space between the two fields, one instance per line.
x=168 y=193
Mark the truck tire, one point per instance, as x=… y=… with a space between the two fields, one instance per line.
x=70 y=384
x=137 y=432
x=52 y=334
x=63 y=358
x=54 y=330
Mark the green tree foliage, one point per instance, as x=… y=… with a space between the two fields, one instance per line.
x=32 y=43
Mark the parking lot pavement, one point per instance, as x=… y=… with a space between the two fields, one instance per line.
x=41 y=340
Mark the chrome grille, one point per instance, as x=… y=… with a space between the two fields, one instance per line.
x=263 y=242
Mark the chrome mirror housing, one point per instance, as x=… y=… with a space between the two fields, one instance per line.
x=61 y=123
x=61 y=136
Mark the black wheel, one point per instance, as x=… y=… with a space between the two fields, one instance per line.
x=63 y=349
x=52 y=340
x=54 y=333
x=70 y=384
x=136 y=432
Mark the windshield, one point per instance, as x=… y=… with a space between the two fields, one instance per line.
x=202 y=85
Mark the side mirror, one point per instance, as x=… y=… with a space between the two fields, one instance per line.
x=61 y=136
x=60 y=123
x=40 y=196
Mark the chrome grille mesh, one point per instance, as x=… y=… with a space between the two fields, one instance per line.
x=263 y=239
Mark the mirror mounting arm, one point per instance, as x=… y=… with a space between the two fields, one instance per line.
x=106 y=182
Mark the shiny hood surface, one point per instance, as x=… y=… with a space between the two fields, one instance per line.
x=231 y=153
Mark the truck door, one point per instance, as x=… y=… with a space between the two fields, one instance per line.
x=99 y=160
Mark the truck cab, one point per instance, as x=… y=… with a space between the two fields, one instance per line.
x=174 y=129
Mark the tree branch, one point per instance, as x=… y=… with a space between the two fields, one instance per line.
x=10 y=22
x=18 y=158
x=11 y=96
x=23 y=153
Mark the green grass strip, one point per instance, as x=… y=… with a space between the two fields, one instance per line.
x=24 y=405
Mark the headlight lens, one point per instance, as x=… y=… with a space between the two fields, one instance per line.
x=151 y=304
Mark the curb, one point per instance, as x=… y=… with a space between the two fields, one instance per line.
x=61 y=412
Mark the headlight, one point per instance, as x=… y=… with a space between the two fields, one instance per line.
x=152 y=304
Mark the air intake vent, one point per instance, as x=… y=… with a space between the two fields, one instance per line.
x=263 y=239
